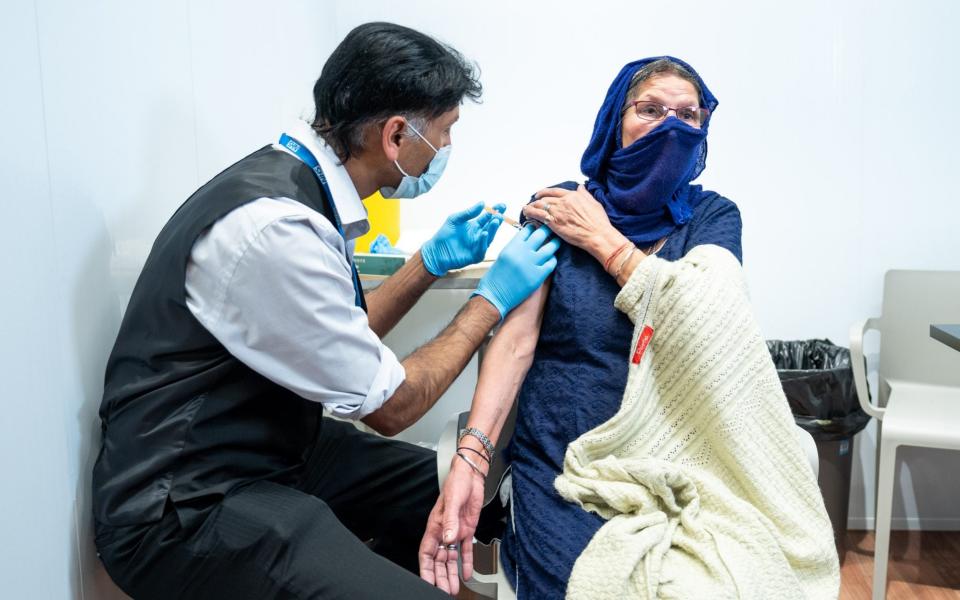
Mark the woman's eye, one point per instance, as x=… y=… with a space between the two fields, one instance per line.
x=688 y=114
x=649 y=111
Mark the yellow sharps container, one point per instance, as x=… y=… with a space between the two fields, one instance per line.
x=384 y=217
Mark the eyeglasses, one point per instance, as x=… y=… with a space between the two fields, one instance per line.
x=654 y=111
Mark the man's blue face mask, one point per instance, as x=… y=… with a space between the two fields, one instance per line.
x=410 y=186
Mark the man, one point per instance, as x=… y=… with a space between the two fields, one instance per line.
x=218 y=476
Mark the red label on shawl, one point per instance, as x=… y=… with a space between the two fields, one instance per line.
x=642 y=342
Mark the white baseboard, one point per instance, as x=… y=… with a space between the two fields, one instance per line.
x=908 y=523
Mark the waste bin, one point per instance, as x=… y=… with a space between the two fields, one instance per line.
x=818 y=382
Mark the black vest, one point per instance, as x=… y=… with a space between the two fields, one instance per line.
x=184 y=421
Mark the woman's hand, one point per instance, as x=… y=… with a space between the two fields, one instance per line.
x=578 y=219
x=453 y=520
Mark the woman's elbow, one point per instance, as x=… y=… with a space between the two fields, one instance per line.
x=522 y=346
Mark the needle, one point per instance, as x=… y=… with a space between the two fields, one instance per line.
x=506 y=220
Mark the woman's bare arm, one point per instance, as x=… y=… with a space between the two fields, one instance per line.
x=505 y=365
x=457 y=511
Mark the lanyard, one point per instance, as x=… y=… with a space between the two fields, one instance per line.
x=310 y=160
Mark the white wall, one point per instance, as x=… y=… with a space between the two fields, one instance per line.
x=37 y=526
x=113 y=112
x=835 y=135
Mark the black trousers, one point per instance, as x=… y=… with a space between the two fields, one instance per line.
x=267 y=541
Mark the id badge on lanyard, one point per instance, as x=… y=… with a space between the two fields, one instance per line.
x=307 y=158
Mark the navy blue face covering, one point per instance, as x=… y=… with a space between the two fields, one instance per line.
x=645 y=187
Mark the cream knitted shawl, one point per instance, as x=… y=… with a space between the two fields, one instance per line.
x=705 y=488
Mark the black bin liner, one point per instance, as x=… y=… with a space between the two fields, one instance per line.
x=818 y=382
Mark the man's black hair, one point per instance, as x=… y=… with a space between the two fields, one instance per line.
x=380 y=70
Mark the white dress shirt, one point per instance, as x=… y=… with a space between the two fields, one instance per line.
x=272 y=282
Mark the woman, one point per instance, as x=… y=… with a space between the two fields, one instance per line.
x=566 y=344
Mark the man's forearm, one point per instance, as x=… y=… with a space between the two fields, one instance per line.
x=393 y=298
x=433 y=367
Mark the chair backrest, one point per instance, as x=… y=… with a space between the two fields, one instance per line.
x=912 y=301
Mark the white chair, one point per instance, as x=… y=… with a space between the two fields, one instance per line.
x=490 y=582
x=918 y=400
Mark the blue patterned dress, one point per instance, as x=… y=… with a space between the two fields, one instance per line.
x=575 y=383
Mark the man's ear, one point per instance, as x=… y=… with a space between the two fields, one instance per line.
x=391 y=136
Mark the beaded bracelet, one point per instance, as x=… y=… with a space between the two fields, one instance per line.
x=609 y=261
x=473 y=431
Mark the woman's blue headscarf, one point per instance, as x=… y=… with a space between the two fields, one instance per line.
x=645 y=187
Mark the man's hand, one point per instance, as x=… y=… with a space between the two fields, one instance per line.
x=453 y=520
x=462 y=240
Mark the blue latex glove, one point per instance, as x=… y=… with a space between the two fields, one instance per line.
x=462 y=240
x=521 y=268
x=381 y=245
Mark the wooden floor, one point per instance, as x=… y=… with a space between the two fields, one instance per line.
x=923 y=566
